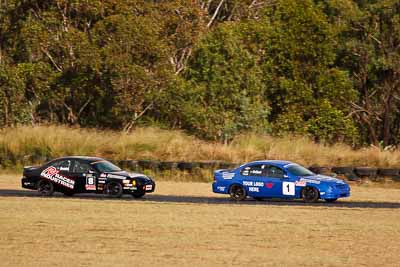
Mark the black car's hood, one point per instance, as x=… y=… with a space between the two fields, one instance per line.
x=124 y=174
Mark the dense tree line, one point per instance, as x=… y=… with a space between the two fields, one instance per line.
x=325 y=68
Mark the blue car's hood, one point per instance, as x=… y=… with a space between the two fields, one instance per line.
x=322 y=178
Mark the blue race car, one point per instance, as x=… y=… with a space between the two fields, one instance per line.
x=278 y=179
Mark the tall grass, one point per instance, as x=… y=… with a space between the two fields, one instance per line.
x=27 y=144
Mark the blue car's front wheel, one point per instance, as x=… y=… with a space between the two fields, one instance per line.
x=310 y=194
x=237 y=192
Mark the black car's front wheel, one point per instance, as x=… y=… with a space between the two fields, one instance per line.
x=113 y=189
x=310 y=194
x=138 y=194
x=45 y=188
x=237 y=192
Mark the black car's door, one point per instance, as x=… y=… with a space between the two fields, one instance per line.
x=84 y=175
x=59 y=172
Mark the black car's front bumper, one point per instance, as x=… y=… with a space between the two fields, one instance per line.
x=147 y=186
x=28 y=183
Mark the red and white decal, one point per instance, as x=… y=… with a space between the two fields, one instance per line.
x=269 y=185
x=52 y=174
x=90 y=187
x=301 y=183
x=149 y=187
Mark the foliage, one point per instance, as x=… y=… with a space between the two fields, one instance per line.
x=219 y=101
x=325 y=68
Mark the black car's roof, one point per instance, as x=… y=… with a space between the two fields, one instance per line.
x=88 y=159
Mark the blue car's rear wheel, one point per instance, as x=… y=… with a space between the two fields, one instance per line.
x=237 y=192
x=310 y=194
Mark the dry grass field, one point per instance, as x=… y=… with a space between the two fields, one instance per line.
x=184 y=224
x=25 y=145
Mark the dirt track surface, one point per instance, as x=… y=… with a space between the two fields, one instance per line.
x=158 y=198
x=185 y=224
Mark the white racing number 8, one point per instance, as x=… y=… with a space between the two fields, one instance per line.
x=90 y=181
x=288 y=188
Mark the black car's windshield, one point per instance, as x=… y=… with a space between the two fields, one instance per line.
x=105 y=166
x=299 y=170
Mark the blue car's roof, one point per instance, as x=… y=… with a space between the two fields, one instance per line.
x=279 y=163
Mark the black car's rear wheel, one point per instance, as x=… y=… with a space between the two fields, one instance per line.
x=237 y=192
x=330 y=200
x=45 y=188
x=138 y=194
x=310 y=194
x=113 y=189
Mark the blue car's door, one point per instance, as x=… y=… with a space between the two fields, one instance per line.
x=277 y=183
x=254 y=180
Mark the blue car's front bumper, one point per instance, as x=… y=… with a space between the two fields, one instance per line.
x=338 y=191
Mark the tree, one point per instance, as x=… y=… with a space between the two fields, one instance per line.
x=298 y=64
x=370 y=50
x=218 y=100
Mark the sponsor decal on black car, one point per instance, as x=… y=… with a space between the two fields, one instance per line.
x=52 y=174
x=85 y=175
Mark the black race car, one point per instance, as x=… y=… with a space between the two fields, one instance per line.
x=70 y=175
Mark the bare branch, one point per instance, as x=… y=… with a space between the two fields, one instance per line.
x=51 y=59
x=215 y=14
x=129 y=126
x=84 y=106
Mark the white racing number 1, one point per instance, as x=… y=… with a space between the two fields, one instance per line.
x=288 y=188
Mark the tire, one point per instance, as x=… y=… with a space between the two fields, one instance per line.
x=113 y=189
x=129 y=164
x=258 y=198
x=331 y=200
x=310 y=194
x=45 y=187
x=388 y=172
x=185 y=166
x=237 y=192
x=366 y=171
x=227 y=165
x=342 y=170
x=138 y=194
x=352 y=177
x=207 y=165
x=319 y=169
x=168 y=165
x=149 y=164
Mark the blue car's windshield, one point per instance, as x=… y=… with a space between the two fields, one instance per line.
x=299 y=170
x=105 y=166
